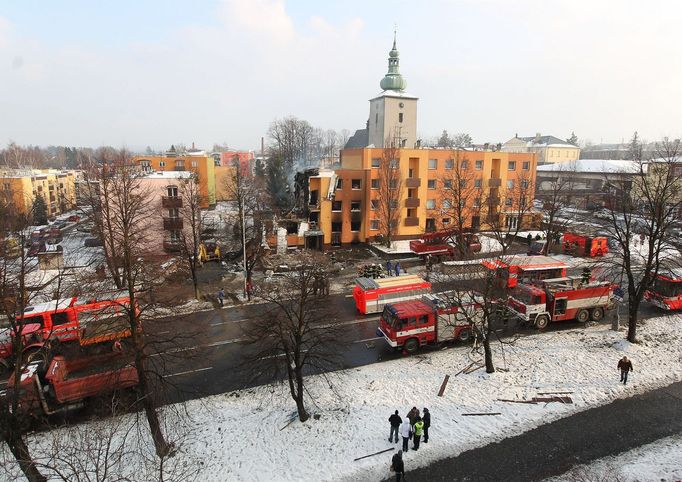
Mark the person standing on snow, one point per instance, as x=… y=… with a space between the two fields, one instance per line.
x=398 y=466
x=397 y=268
x=406 y=433
x=625 y=367
x=427 y=424
x=412 y=415
x=221 y=297
x=389 y=267
x=418 y=432
x=395 y=426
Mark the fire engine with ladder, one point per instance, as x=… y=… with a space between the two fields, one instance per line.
x=445 y=244
x=408 y=325
x=558 y=299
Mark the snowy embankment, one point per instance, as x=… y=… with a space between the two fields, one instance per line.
x=246 y=435
x=661 y=460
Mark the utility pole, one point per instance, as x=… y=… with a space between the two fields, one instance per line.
x=243 y=215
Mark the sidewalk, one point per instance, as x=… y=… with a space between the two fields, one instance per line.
x=554 y=448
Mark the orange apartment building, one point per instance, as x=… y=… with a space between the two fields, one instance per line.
x=343 y=202
x=194 y=160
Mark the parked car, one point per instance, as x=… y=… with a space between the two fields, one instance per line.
x=92 y=242
x=35 y=248
x=602 y=214
x=74 y=218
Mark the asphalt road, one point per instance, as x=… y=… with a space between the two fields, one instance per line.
x=554 y=448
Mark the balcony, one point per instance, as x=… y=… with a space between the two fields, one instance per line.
x=412 y=202
x=172 y=223
x=411 y=222
x=170 y=246
x=494 y=182
x=170 y=202
x=412 y=182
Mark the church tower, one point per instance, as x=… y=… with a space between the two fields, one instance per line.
x=393 y=113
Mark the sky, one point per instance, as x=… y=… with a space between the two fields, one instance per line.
x=157 y=72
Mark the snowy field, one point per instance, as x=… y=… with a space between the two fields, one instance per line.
x=661 y=460
x=246 y=435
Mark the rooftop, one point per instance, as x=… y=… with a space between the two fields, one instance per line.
x=590 y=165
x=169 y=175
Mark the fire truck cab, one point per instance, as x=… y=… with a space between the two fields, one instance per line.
x=666 y=290
x=412 y=324
x=583 y=245
x=524 y=269
x=559 y=299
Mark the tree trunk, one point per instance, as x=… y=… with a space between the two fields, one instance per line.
x=632 y=322
x=162 y=447
x=302 y=412
x=19 y=449
x=195 y=283
x=489 y=365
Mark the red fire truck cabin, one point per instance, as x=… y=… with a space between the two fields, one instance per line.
x=371 y=295
x=666 y=291
x=524 y=269
x=581 y=245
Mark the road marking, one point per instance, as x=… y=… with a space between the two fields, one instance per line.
x=187 y=372
x=348 y=296
x=163 y=332
x=229 y=321
x=278 y=355
x=368 y=339
x=350 y=322
x=225 y=342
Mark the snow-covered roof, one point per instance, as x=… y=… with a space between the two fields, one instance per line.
x=590 y=165
x=395 y=93
x=563 y=145
x=169 y=175
x=324 y=173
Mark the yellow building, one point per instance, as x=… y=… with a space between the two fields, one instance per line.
x=224 y=180
x=193 y=160
x=549 y=149
x=343 y=203
x=58 y=188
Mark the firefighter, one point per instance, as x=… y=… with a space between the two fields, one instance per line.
x=418 y=432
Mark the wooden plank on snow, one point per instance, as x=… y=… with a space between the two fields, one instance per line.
x=443 y=385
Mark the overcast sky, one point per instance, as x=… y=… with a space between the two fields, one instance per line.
x=137 y=73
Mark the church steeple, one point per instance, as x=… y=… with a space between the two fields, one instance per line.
x=393 y=80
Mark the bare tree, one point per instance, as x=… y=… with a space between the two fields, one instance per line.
x=556 y=196
x=461 y=139
x=192 y=219
x=644 y=205
x=295 y=336
x=390 y=193
x=509 y=209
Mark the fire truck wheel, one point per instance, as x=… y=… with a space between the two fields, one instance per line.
x=541 y=322
x=411 y=345
x=597 y=314
x=583 y=316
x=464 y=335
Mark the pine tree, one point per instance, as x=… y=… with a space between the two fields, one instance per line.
x=39 y=211
x=573 y=139
x=444 y=140
x=276 y=181
x=259 y=170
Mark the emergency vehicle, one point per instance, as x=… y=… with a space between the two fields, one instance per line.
x=523 y=269
x=371 y=295
x=666 y=291
x=411 y=324
x=583 y=245
x=559 y=299
x=444 y=244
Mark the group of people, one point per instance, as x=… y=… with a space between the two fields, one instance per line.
x=414 y=426
x=390 y=269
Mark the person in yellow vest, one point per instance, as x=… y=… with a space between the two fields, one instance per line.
x=418 y=432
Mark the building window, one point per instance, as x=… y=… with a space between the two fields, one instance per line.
x=162 y=163
x=373 y=204
x=339 y=184
x=508 y=202
x=463 y=184
x=525 y=166
x=465 y=164
x=393 y=204
x=431 y=184
x=355 y=184
x=174 y=213
x=172 y=191
x=376 y=162
x=175 y=236
x=374 y=183
x=477 y=202
x=194 y=163
x=355 y=205
x=400 y=117
x=374 y=225
x=447 y=183
x=336 y=205
x=336 y=226
x=393 y=184
x=433 y=163
x=510 y=184
x=524 y=183
x=447 y=204
x=479 y=165
x=430 y=204
x=394 y=164
x=446 y=221
x=355 y=225
x=478 y=183
x=449 y=164
x=512 y=166
x=6 y=186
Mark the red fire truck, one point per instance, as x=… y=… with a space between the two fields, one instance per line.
x=444 y=244
x=583 y=245
x=68 y=383
x=666 y=292
x=88 y=322
x=523 y=269
x=561 y=299
x=371 y=295
x=410 y=324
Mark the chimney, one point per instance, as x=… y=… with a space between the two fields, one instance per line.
x=262 y=147
x=537 y=137
x=193 y=148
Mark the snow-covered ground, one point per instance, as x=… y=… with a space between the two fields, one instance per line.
x=402 y=246
x=246 y=435
x=661 y=460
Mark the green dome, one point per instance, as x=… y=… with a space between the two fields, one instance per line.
x=393 y=80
